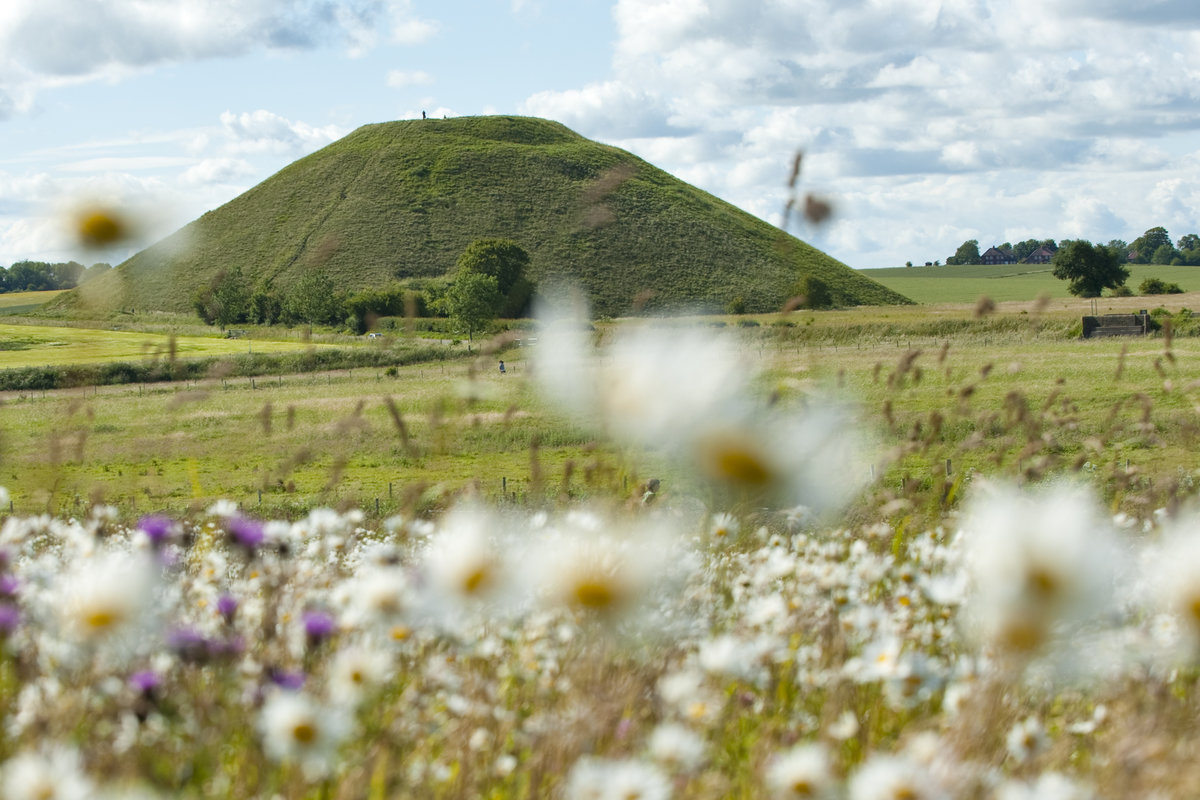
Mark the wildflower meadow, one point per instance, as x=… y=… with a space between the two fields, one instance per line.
x=801 y=611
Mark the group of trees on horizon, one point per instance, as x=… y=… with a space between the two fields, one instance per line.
x=1152 y=247
x=40 y=276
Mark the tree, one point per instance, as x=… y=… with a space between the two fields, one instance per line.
x=1188 y=241
x=1090 y=269
x=472 y=301
x=967 y=253
x=313 y=299
x=226 y=301
x=1165 y=254
x=506 y=261
x=816 y=293
x=1149 y=242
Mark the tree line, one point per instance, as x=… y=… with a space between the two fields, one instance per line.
x=488 y=282
x=39 y=276
x=1152 y=247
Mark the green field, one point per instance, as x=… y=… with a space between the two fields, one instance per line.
x=1010 y=282
x=37 y=345
x=306 y=440
x=20 y=302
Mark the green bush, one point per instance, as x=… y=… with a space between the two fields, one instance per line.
x=1159 y=286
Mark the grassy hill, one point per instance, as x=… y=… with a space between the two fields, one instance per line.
x=401 y=200
x=966 y=283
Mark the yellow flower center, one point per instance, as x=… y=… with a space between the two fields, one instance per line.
x=1043 y=582
x=477 y=579
x=1194 y=609
x=304 y=732
x=100 y=228
x=1021 y=636
x=802 y=788
x=740 y=466
x=101 y=619
x=595 y=594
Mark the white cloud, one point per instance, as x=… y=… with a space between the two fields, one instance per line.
x=413 y=31
x=613 y=109
x=124 y=164
x=925 y=120
x=219 y=171
x=44 y=43
x=266 y=132
x=400 y=79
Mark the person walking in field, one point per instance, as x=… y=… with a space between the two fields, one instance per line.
x=502 y=370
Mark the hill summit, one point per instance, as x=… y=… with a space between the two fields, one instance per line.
x=399 y=201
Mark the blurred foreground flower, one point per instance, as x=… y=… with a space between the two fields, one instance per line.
x=107 y=605
x=612 y=779
x=689 y=393
x=1037 y=563
x=296 y=729
x=802 y=772
x=54 y=773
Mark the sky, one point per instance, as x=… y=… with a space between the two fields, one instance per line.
x=925 y=122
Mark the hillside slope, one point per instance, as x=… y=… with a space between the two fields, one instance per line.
x=401 y=200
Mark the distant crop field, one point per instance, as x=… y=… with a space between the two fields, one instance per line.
x=966 y=284
x=35 y=345
x=18 y=302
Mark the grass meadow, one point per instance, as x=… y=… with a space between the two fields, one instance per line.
x=39 y=345
x=904 y=552
x=1008 y=282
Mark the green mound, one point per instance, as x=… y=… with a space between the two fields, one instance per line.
x=399 y=201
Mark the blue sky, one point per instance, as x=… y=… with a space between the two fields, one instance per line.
x=927 y=122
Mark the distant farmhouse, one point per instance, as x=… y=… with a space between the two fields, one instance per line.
x=994 y=255
x=1042 y=255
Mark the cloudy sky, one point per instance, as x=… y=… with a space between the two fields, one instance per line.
x=927 y=122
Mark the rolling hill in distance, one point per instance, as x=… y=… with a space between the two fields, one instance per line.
x=399 y=201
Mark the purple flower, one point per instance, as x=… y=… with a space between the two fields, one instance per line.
x=145 y=681
x=8 y=587
x=190 y=644
x=227 y=606
x=286 y=679
x=10 y=618
x=318 y=626
x=231 y=646
x=246 y=532
x=158 y=528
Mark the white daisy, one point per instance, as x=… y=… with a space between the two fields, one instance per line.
x=54 y=773
x=801 y=772
x=295 y=729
